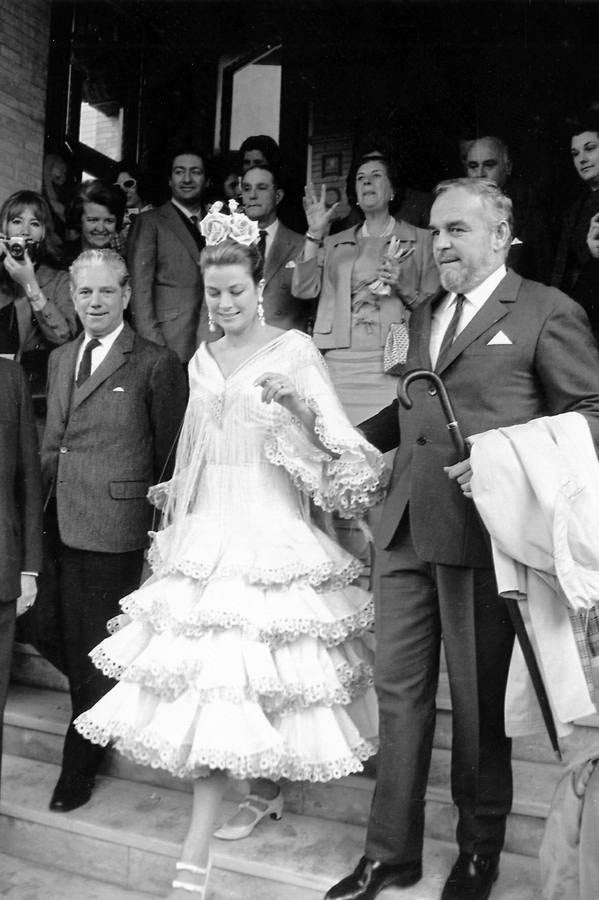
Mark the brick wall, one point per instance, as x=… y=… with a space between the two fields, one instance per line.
x=24 y=42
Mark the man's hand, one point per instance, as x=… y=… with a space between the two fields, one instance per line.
x=593 y=237
x=28 y=593
x=462 y=473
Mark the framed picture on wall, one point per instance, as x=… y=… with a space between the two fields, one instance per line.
x=331 y=164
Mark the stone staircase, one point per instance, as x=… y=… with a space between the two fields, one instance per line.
x=123 y=843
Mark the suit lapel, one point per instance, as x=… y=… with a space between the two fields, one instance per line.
x=424 y=331
x=494 y=309
x=177 y=226
x=66 y=374
x=277 y=255
x=116 y=357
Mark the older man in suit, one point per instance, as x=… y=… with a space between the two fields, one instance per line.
x=21 y=511
x=115 y=403
x=261 y=195
x=164 y=256
x=508 y=350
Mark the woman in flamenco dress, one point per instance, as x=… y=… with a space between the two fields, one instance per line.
x=247 y=653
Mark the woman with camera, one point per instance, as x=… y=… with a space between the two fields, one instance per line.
x=36 y=310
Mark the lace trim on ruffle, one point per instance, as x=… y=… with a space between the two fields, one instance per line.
x=273 y=695
x=283 y=631
x=350 y=484
x=151 y=750
x=327 y=576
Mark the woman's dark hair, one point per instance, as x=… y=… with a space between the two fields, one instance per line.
x=588 y=121
x=391 y=169
x=231 y=253
x=108 y=195
x=14 y=206
x=267 y=146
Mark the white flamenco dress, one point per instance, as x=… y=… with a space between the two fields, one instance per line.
x=248 y=649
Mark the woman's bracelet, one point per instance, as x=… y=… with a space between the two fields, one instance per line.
x=36 y=298
x=315 y=240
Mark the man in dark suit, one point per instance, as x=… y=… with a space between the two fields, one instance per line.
x=530 y=255
x=21 y=512
x=508 y=350
x=261 y=195
x=115 y=403
x=164 y=256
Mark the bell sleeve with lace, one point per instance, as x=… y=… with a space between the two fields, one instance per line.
x=345 y=474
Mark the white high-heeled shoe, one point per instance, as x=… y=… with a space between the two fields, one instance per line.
x=260 y=807
x=200 y=889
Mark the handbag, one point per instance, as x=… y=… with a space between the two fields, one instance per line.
x=395 y=352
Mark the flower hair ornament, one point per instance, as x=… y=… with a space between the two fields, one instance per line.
x=217 y=226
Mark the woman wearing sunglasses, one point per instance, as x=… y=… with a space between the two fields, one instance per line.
x=130 y=181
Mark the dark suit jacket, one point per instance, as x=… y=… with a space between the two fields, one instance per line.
x=106 y=442
x=166 y=282
x=20 y=483
x=551 y=366
x=281 y=308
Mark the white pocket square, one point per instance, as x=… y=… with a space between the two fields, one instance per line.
x=118 y=390
x=290 y=264
x=499 y=338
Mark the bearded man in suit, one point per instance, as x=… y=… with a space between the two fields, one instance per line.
x=21 y=508
x=508 y=350
x=164 y=255
x=261 y=195
x=115 y=404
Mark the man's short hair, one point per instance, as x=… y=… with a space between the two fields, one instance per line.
x=499 y=143
x=274 y=171
x=109 y=258
x=498 y=203
x=589 y=121
x=267 y=146
x=187 y=150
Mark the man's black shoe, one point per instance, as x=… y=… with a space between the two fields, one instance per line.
x=472 y=877
x=370 y=877
x=71 y=791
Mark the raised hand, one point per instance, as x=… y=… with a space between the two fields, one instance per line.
x=317 y=214
x=278 y=388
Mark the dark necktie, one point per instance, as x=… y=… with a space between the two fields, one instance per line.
x=194 y=221
x=85 y=366
x=450 y=330
x=262 y=244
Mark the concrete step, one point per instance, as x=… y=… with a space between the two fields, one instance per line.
x=35 y=722
x=129 y=835
x=23 y=880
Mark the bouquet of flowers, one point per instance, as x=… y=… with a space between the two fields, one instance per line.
x=394 y=251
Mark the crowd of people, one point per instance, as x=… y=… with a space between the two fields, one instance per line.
x=242 y=378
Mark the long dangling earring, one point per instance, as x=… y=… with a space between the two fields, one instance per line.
x=260 y=310
x=211 y=323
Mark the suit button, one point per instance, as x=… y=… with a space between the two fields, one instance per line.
x=64 y=449
x=421 y=441
x=432 y=392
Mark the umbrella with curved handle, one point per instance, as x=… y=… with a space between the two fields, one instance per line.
x=512 y=605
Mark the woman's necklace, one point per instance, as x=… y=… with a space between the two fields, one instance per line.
x=384 y=233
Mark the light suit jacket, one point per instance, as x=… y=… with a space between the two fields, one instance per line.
x=106 y=442
x=549 y=365
x=281 y=308
x=166 y=283
x=328 y=277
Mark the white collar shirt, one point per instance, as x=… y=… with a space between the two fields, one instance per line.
x=188 y=213
x=98 y=353
x=475 y=300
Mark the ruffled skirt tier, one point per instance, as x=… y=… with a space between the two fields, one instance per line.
x=224 y=671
